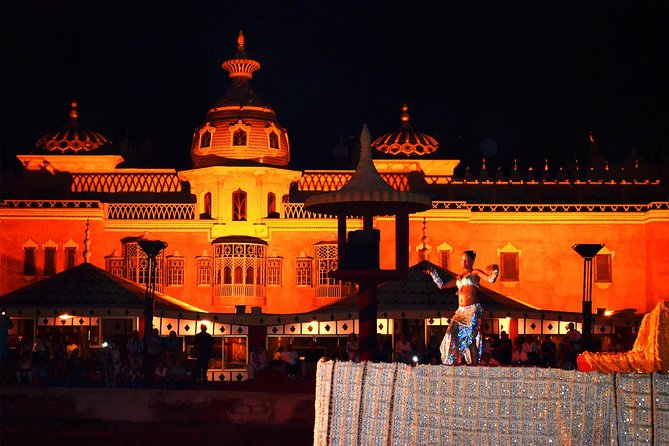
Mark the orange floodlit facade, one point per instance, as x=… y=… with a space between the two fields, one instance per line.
x=240 y=241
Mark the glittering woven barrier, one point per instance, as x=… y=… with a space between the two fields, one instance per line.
x=634 y=411
x=508 y=406
x=322 y=405
x=661 y=408
x=397 y=404
x=345 y=403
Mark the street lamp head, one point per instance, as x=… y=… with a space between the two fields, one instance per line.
x=150 y=245
x=587 y=250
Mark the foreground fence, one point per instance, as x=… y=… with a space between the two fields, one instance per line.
x=396 y=404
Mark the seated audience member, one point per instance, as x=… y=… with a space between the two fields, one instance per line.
x=160 y=375
x=402 y=350
x=173 y=346
x=518 y=356
x=24 y=371
x=178 y=375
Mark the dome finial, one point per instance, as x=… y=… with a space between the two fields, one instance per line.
x=74 y=113
x=404 y=117
x=241 y=66
x=240 y=40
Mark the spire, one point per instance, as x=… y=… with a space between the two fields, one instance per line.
x=424 y=248
x=87 y=244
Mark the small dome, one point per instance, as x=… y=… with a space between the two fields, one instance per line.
x=405 y=140
x=71 y=139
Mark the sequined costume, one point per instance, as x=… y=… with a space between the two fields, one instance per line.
x=466 y=280
x=463 y=331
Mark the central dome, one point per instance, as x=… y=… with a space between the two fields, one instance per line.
x=240 y=128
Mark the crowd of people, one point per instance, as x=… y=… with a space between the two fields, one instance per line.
x=554 y=350
x=160 y=362
x=56 y=360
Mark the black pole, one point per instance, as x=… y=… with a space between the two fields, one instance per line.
x=149 y=306
x=367 y=321
x=587 y=251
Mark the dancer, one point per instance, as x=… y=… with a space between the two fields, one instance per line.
x=463 y=336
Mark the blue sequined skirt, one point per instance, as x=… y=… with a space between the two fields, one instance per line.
x=462 y=332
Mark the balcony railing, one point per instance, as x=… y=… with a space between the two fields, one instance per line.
x=334 y=290
x=239 y=290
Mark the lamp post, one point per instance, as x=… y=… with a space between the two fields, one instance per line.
x=588 y=251
x=152 y=248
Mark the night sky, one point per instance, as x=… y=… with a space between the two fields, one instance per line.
x=505 y=80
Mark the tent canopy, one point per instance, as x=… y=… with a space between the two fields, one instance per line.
x=84 y=288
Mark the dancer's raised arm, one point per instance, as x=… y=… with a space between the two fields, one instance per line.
x=436 y=278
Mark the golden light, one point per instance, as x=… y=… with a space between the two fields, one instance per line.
x=65 y=316
x=608 y=312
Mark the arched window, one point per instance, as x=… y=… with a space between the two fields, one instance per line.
x=271 y=204
x=239 y=205
x=239 y=274
x=273 y=140
x=250 y=275
x=205 y=139
x=239 y=138
x=227 y=275
x=206 y=205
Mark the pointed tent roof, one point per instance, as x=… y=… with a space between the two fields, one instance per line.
x=366 y=192
x=87 y=287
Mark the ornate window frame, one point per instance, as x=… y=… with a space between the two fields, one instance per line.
x=239 y=205
x=70 y=249
x=445 y=250
x=205 y=270
x=274 y=271
x=271 y=204
x=115 y=264
x=137 y=265
x=239 y=135
x=50 y=249
x=273 y=136
x=509 y=253
x=604 y=255
x=304 y=271
x=206 y=210
x=29 y=260
x=205 y=137
x=176 y=266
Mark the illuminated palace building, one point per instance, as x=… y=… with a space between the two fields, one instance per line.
x=247 y=257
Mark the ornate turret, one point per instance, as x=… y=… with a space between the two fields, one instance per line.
x=405 y=140
x=240 y=128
